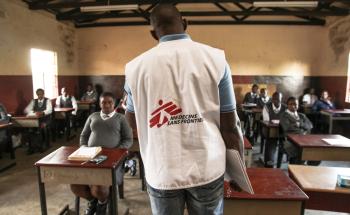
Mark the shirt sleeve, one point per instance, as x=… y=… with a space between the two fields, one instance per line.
x=29 y=109
x=265 y=114
x=58 y=101
x=75 y=106
x=129 y=101
x=226 y=93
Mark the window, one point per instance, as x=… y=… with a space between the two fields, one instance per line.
x=347 y=97
x=44 y=72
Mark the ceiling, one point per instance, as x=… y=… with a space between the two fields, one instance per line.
x=197 y=12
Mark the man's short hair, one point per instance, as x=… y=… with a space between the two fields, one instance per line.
x=255 y=85
x=107 y=94
x=291 y=98
x=39 y=89
x=277 y=94
x=165 y=15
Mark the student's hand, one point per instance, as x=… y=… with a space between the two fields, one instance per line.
x=39 y=114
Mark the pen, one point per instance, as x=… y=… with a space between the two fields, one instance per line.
x=85 y=162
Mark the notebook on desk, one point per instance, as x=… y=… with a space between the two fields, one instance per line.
x=236 y=171
x=84 y=153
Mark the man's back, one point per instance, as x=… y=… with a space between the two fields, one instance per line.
x=175 y=93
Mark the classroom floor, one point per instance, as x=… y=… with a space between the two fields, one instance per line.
x=19 y=188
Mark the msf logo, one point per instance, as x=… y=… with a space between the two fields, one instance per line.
x=162 y=114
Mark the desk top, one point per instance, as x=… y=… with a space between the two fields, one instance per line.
x=59 y=158
x=269 y=124
x=27 y=117
x=268 y=184
x=85 y=102
x=337 y=111
x=5 y=125
x=57 y=109
x=247 y=144
x=318 y=178
x=314 y=140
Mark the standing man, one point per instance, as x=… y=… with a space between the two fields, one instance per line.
x=181 y=99
x=110 y=130
x=253 y=96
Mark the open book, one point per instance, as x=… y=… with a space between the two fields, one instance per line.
x=84 y=153
x=236 y=171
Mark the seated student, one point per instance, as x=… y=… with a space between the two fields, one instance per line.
x=110 y=130
x=309 y=98
x=273 y=110
x=90 y=94
x=66 y=101
x=263 y=98
x=252 y=97
x=40 y=106
x=324 y=103
x=293 y=122
x=3 y=119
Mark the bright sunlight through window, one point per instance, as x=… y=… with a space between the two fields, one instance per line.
x=44 y=72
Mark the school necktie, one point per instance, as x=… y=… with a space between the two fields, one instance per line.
x=105 y=116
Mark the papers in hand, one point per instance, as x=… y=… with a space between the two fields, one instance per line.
x=345 y=142
x=236 y=171
x=84 y=153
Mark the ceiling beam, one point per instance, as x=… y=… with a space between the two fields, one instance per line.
x=209 y=13
x=73 y=4
x=229 y=22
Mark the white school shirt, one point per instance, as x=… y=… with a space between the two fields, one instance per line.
x=177 y=109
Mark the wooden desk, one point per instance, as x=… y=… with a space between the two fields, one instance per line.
x=63 y=114
x=248 y=152
x=85 y=105
x=312 y=147
x=319 y=183
x=336 y=115
x=7 y=127
x=275 y=194
x=271 y=132
x=34 y=122
x=56 y=169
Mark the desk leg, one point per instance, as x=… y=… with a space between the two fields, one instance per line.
x=42 y=194
x=280 y=152
x=330 y=124
x=113 y=191
x=68 y=126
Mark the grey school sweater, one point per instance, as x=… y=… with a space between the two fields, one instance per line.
x=111 y=133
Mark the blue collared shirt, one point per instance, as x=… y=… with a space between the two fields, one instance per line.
x=226 y=93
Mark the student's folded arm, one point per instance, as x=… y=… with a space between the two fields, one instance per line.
x=48 y=110
x=230 y=128
x=85 y=134
x=126 y=139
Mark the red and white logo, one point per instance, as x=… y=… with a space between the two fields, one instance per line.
x=162 y=114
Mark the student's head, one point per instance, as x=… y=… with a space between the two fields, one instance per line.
x=324 y=95
x=312 y=91
x=40 y=93
x=89 y=87
x=255 y=88
x=263 y=92
x=166 y=19
x=292 y=104
x=276 y=99
x=107 y=102
x=64 y=91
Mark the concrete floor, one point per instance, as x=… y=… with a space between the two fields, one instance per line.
x=19 y=188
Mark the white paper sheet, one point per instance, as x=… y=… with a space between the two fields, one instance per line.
x=345 y=142
x=236 y=171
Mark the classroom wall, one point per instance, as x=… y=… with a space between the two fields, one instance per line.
x=22 y=29
x=289 y=57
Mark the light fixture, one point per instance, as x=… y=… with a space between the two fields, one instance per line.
x=285 y=4
x=109 y=8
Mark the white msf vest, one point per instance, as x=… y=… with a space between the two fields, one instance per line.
x=176 y=101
